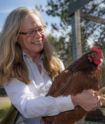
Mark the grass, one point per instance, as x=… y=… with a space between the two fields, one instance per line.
x=103 y=111
x=4 y=106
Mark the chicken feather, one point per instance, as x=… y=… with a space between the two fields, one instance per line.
x=83 y=74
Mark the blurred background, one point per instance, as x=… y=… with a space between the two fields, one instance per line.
x=59 y=26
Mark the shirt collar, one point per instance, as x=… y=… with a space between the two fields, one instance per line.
x=24 y=54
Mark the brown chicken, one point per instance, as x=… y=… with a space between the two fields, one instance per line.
x=101 y=93
x=83 y=74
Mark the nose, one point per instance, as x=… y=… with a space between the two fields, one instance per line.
x=38 y=34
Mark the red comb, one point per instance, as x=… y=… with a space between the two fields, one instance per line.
x=97 y=50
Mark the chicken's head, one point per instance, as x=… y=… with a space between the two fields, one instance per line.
x=96 y=55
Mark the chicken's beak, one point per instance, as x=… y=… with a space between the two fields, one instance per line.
x=101 y=57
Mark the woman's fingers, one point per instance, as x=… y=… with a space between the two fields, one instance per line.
x=88 y=100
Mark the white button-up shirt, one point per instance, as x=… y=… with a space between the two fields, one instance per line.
x=30 y=100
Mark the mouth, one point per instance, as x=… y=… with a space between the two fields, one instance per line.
x=37 y=43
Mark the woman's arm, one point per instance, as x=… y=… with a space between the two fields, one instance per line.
x=30 y=106
x=87 y=100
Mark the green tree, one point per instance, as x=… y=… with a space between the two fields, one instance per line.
x=63 y=49
x=90 y=31
x=59 y=8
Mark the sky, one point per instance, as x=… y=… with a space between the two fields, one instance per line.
x=6 y=6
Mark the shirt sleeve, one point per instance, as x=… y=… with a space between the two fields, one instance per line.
x=30 y=106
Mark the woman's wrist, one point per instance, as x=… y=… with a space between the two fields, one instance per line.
x=74 y=100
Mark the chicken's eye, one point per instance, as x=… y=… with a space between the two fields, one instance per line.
x=94 y=55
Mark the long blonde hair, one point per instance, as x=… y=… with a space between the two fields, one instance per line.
x=12 y=64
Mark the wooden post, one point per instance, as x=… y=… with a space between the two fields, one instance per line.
x=76 y=35
x=76 y=5
x=92 y=18
x=74 y=13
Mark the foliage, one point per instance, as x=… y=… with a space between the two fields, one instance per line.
x=2 y=92
x=59 y=8
x=3 y=110
x=91 y=32
x=63 y=49
x=4 y=106
x=90 y=28
x=103 y=75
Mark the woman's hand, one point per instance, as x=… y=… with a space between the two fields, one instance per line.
x=87 y=100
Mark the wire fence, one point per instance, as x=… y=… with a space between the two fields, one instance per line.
x=94 y=117
x=93 y=34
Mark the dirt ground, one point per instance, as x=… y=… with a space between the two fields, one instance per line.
x=4 y=100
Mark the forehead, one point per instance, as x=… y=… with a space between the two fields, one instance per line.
x=31 y=21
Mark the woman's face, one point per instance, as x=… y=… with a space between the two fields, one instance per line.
x=32 y=44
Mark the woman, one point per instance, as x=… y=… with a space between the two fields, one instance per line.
x=27 y=65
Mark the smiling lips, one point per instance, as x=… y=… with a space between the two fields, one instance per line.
x=38 y=42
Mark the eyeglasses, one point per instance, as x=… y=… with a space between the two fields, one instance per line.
x=33 y=32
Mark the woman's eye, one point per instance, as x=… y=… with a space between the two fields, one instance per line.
x=41 y=29
x=30 y=32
